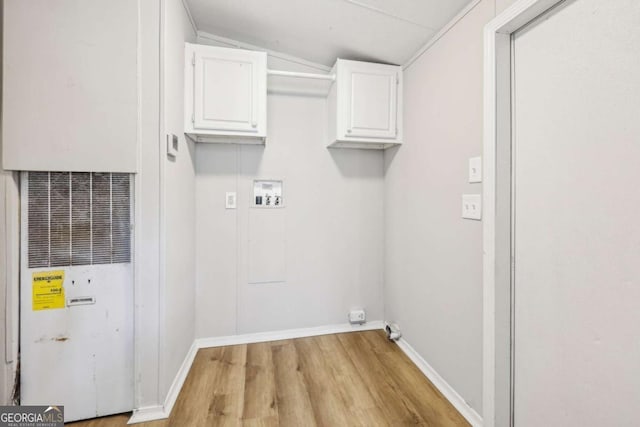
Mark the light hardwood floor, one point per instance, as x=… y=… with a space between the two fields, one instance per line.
x=351 y=379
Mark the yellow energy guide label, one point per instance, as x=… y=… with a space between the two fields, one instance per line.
x=48 y=290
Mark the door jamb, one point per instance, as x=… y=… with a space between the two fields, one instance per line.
x=11 y=281
x=496 y=242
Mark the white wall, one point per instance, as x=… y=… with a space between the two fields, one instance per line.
x=332 y=224
x=178 y=286
x=433 y=258
x=501 y=5
x=70 y=79
x=577 y=235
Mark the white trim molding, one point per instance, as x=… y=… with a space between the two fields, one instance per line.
x=10 y=278
x=433 y=40
x=187 y=10
x=286 y=334
x=447 y=391
x=147 y=413
x=242 y=45
x=497 y=199
x=178 y=381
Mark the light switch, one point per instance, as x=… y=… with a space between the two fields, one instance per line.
x=475 y=169
x=230 y=200
x=172 y=146
x=472 y=206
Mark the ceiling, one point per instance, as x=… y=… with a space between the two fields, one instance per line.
x=388 y=31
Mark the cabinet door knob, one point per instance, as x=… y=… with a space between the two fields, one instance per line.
x=348 y=130
x=254 y=125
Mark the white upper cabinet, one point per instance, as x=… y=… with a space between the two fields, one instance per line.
x=365 y=105
x=225 y=94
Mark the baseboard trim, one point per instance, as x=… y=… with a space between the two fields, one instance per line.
x=286 y=334
x=147 y=413
x=447 y=391
x=152 y=413
x=178 y=381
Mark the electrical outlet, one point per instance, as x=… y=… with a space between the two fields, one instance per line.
x=472 y=206
x=357 y=316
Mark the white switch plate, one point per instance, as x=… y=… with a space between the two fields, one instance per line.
x=230 y=201
x=472 y=206
x=172 y=145
x=475 y=169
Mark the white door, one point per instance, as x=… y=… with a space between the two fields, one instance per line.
x=371 y=104
x=227 y=85
x=76 y=304
x=577 y=216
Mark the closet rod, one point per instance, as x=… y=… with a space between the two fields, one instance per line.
x=301 y=75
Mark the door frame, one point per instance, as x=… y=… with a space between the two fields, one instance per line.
x=10 y=283
x=497 y=358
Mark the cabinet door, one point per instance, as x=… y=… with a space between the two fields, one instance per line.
x=226 y=90
x=372 y=92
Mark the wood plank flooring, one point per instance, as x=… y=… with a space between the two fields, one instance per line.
x=351 y=379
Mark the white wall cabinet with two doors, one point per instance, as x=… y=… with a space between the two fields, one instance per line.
x=226 y=99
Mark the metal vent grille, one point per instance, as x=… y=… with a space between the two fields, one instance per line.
x=60 y=222
x=81 y=219
x=101 y=218
x=38 y=206
x=78 y=218
x=120 y=218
